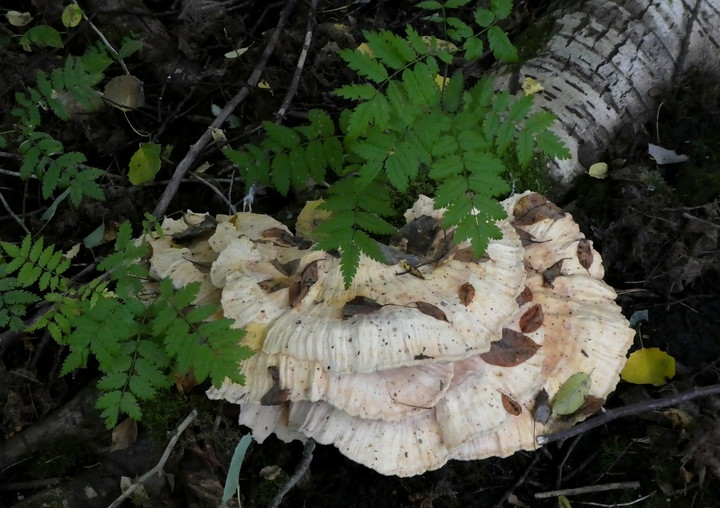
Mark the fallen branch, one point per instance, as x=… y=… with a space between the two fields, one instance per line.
x=158 y=469
x=634 y=409
x=195 y=149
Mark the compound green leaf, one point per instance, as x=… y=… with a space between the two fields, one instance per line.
x=365 y=65
x=524 y=148
x=484 y=17
x=500 y=45
x=551 y=145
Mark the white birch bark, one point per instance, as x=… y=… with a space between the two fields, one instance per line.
x=604 y=59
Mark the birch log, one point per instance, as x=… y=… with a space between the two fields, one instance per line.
x=603 y=60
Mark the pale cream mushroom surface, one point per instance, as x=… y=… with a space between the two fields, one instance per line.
x=459 y=358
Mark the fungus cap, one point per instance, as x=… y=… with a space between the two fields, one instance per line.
x=403 y=373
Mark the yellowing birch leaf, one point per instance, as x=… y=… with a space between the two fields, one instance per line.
x=571 y=394
x=531 y=86
x=649 y=366
x=441 y=44
x=16 y=18
x=144 y=164
x=125 y=93
x=364 y=48
x=598 y=170
x=310 y=217
x=441 y=81
x=71 y=15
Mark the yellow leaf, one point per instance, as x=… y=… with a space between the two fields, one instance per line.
x=310 y=217
x=441 y=81
x=530 y=86
x=71 y=15
x=364 y=48
x=264 y=84
x=125 y=93
x=16 y=18
x=598 y=170
x=144 y=164
x=563 y=502
x=649 y=366
x=434 y=43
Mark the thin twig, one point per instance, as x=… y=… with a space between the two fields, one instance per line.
x=295 y=82
x=588 y=489
x=299 y=472
x=195 y=149
x=161 y=463
x=616 y=505
x=634 y=409
x=518 y=482
x=12 y=214
x=561 y=467
x=104 y=41
x=217 y=192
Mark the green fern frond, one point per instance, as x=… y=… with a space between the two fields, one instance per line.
x=358 y=208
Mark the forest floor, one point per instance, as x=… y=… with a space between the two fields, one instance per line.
x=657 y=227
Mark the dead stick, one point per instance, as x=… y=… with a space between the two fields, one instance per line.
x=588 y=489
x=621 y=412
x=299 y=472
x=161 y=463
x=300 y=65
x=195 y=149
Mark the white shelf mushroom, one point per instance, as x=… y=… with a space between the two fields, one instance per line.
x=403 y=373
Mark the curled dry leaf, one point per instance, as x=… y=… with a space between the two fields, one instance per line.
x=513 y=349
x=510 y=405
x=533 y=208
x=288 y=268
x=552 y=273
x=196 y=231
x=360 y=305
x=524 y=297
x=466 y=293
x=532 y=319
x=299 y=286
x=274 y=285
x=590 y=406
x=280 y=237
x=541 y=409
x=585 y=253
x=275 y=395
x=431 y=310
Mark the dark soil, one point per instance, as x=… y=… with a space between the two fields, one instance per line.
x=657 y=228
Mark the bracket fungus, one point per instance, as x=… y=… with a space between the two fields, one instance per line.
x=437 y=356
